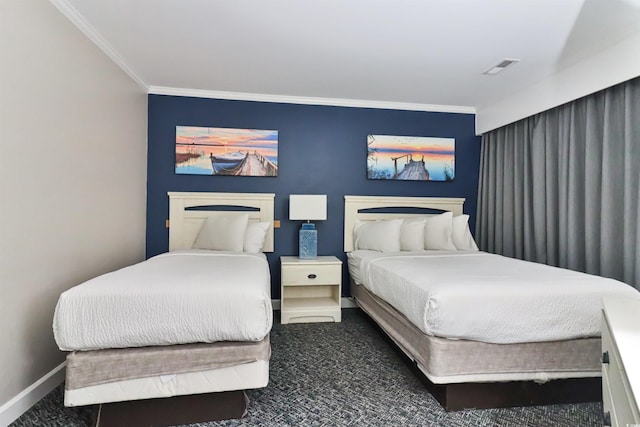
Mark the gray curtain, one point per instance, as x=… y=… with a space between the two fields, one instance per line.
x=563 y=187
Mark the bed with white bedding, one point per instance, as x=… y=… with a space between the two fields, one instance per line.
x=190 y=296
x=486 y=297
x=468 y=318
x=186 y=322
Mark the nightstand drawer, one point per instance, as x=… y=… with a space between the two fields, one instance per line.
x=311 y=275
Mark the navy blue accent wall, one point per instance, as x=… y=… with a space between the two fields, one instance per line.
x=321 y=150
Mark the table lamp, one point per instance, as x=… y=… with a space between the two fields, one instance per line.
x=308 y=207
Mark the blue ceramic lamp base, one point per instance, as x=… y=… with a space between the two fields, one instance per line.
x=308 y=241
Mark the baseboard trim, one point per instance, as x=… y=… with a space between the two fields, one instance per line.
x=14 y=408
x=346 y=302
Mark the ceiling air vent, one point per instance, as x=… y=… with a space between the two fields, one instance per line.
x=500 y=66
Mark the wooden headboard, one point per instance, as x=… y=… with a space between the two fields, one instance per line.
x=354 y=204
x=184 y=223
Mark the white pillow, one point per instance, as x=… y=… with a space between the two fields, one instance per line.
x=462 y=238
x=222 y=233
x=254 y=236
x=412 y=234
x=437 y=232
x=382 y=235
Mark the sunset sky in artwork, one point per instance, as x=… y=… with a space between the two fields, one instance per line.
x=409 y=144
x=237 y=138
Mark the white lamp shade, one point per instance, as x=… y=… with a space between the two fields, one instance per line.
x=308 y=207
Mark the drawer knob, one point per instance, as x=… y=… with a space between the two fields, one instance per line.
x=606 y=418
x=605 y=357
x=312 y=276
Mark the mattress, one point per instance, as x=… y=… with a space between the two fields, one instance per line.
x=102 y=376
x=485 y=297
x=445 y=361
x=175 y=298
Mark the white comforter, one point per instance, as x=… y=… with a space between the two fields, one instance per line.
x=485 y=297
x=174 y=298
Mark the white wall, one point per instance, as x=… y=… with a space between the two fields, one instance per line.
x=618 y=63
x=73 y=132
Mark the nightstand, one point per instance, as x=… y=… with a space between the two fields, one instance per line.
x=310 y=289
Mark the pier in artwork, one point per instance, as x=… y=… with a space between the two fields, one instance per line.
x=410 y=158
x=413 y=170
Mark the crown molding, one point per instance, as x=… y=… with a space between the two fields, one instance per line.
x=334 y=102
x=76 y=18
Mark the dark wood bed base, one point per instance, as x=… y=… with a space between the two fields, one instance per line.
x=461 y=396
x=457 y=397
x=172 y=411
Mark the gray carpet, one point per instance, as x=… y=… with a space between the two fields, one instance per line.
x=343 y=374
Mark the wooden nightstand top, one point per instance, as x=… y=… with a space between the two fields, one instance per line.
x=294 y=260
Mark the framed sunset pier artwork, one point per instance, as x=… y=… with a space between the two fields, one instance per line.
x=410 y=158
x=226 y=151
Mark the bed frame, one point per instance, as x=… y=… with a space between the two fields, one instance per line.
x=194 y=406
x=503 y=383
x=185 y=223
x=353 y=205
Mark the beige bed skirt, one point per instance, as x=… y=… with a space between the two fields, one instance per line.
x=446 y=361
x=90 y=368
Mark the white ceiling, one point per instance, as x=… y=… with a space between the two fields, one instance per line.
x=423 y=52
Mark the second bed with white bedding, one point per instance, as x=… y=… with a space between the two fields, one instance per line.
x=175 y=298
x=484 y=297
